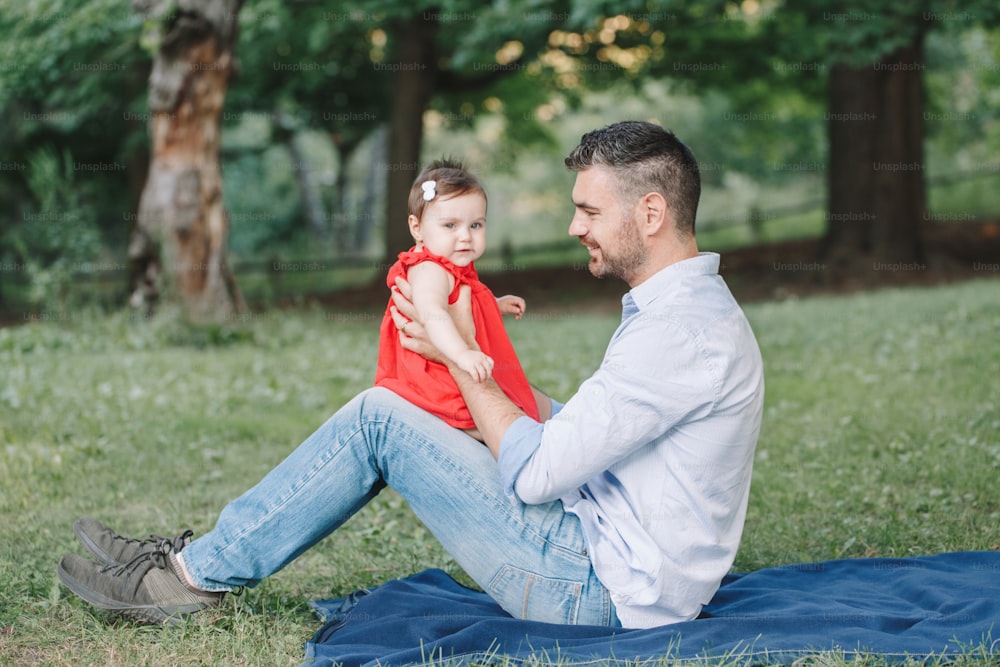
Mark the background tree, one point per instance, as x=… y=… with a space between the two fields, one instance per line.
x=308 y=69
x=877 y=190
x=863 y=59
x=441 y=52
x=72 y=141
x=761 y=88
x=181 y=212
x=876 y=105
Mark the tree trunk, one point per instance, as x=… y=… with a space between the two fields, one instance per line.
x=369 y=214
x=310 y=193
x=343 y=227
x=181 y=212
x=139 y=261
x=876 y=189
x=900 y=188
x=852 y=128
x=414 y=83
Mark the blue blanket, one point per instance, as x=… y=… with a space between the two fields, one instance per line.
x=938 y=606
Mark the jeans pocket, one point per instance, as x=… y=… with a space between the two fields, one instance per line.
x=533 y=597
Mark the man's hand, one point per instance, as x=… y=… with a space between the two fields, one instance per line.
x=492 y=411
x=413 y=336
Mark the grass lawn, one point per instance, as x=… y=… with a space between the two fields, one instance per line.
x=881 y=437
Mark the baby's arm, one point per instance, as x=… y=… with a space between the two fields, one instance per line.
x=512 y=305
x=431 y=286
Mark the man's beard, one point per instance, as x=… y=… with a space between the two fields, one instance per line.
x=628 y=257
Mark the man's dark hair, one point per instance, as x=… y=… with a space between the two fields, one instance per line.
x=645 y=158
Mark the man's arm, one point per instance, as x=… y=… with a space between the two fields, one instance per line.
x=492 y=411
x=544 y=403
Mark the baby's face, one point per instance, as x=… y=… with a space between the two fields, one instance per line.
x=453 y=228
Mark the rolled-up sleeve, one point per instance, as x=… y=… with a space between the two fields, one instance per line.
x=517 y=446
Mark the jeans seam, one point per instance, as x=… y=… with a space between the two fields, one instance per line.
x=531 y=580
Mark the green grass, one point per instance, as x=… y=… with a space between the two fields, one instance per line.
x=880 y=437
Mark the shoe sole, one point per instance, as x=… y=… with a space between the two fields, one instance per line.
x=99 y=554
x=147 y=614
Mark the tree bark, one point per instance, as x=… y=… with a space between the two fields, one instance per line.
x=180 y=239
x=343 y=226
x=413 y=85
x=876 y=187
x=852 y=128
x=900 y=187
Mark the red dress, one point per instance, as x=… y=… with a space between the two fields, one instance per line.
x=428 y=384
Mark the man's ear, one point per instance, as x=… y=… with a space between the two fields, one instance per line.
x=414 y=224
x=653 y=212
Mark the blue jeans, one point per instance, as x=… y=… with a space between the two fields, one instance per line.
x=532 y=559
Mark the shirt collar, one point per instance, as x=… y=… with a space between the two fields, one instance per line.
x=704 y=264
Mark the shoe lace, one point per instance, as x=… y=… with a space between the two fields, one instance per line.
x=177 y=543
x=134 y=570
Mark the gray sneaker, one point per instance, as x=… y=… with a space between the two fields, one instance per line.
x=110 y=548
x=146 y=589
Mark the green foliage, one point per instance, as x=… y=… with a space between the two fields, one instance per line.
x=518 y=82
x=312 y=63
x=861 y=32
x=70 y=75
x=263 y=201
x=155 y=25
x=68 y=66
x=962 y=115
x=59 y=238
x=51 y=43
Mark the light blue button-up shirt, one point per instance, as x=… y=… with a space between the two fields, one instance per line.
x=654 y=452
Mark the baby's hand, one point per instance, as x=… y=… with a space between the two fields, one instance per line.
x=476 y=364
x=512 y=305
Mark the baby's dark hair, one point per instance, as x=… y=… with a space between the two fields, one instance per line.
x=451 y=179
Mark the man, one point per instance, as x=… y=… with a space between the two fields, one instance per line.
x=624 y=507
